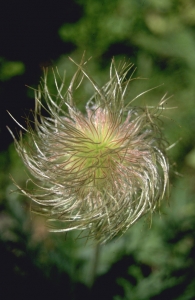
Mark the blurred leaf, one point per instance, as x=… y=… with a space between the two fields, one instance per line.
x=9 y=69
x=190 y=159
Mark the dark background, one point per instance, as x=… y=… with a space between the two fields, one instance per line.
x=29 y=33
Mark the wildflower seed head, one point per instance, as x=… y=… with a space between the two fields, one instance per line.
x=100 y=170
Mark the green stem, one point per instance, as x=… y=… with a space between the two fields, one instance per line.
x=95 y=260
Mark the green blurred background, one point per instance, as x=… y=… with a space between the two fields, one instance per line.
x=156 y=262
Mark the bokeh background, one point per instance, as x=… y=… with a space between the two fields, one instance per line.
x=148 y=262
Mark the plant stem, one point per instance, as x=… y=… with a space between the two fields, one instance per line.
x=95 y=260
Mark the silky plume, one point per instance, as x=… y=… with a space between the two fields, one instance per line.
x=100 y=170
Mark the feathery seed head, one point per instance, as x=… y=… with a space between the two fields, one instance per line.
x=100 y=170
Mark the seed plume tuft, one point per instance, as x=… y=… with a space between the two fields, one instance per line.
x=100 y=170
